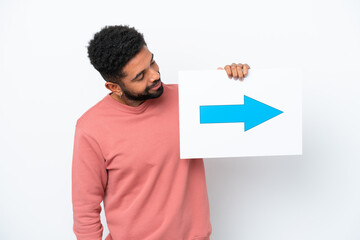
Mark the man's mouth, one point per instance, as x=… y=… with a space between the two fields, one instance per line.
x=156 y=85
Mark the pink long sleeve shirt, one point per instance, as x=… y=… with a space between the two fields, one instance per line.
x=129 y=158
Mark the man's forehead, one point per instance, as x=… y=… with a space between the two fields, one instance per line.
x=138 y=61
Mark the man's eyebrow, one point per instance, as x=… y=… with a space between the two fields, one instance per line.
x=152 y=57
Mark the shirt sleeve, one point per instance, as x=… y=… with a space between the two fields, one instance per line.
x=89 y=179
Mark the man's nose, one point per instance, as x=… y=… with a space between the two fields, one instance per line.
x=155 y=75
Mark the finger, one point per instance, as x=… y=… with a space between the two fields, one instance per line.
x=228 y=71
x=245 y=70
x=234 y=71
x=220 y=68
x=240 y=71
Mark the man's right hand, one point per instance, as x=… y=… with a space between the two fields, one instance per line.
x=236 y=71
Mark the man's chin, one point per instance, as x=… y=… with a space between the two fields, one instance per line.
x=158 y=92
x=150 y=94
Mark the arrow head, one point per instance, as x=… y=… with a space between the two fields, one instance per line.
x=257 y=112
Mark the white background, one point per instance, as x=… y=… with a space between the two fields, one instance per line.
x=47 y=82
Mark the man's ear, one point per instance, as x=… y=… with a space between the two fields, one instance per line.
x=114 y=87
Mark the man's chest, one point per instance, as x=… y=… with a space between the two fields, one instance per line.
x=142 y=140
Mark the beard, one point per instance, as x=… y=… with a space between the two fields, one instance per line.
x=146 y=94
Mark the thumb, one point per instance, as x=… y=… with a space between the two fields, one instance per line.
x=220 y=68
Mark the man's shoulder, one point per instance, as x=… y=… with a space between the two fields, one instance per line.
x=171 y=90
x=171 y=86
x=90 y=116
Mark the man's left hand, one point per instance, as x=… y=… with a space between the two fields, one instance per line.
x=236 y=71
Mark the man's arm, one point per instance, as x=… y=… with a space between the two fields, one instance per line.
x=89 y=179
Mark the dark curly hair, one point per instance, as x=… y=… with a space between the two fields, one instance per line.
x=111 y=49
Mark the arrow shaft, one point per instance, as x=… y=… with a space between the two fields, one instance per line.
x=222 y=114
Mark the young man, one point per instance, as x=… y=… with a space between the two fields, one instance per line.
x=126 y=151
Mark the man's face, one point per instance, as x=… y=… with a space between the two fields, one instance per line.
x=142 y=79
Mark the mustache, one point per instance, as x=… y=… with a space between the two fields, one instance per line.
x=156 y=82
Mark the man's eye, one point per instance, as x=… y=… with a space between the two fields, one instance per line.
x=142 y=76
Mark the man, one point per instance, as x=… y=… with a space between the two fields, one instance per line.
x=126 y=151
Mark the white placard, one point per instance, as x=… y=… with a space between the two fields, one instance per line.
x=280 y=89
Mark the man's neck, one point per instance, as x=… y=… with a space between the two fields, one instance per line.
x=126 y=101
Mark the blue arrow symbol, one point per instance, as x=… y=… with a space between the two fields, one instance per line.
x=252 y=113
